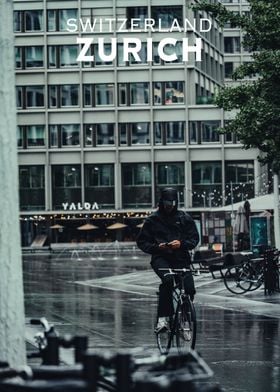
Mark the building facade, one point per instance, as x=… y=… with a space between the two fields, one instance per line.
x=111 y=132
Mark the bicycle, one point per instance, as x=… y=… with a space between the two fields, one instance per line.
x=182 y=324
x=248 y=276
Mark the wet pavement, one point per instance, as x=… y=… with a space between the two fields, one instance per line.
x=113 y=301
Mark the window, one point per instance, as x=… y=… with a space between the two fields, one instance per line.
x=170 y=174
x=204 y=131
x=138 y=13
x=99 y=134
x=32 y=187
x=133 y=94
x=165 y=15
x=62 y=56
x=232 y=44
x=107 y=52
x=134 y=133
x=30 y=97
x=64 y=135
x=136 y=185
x=139 y=93
x=29 y=57
x=63 y=95
x=66 y=185
x=168 y=93
x=57 y=19
x=98 y=95
x=99 y=184
x=239 y=178
x=28 y=21
x=104 y=94
x=168 y=50
x=35 y=135
x=131 y=60
x=169 y=132
x=207 y=184
x=228 y=69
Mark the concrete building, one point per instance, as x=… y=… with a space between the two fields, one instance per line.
x=112 y=132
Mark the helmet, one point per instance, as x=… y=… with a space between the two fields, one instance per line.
x=168 y=200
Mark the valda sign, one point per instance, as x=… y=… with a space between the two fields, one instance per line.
x=80 y=206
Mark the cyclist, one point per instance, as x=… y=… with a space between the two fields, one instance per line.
x=168 y=234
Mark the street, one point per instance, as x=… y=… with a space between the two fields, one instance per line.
x=113 y=301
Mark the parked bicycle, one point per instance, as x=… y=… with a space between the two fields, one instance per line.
x=248 y=276
x=182 y=324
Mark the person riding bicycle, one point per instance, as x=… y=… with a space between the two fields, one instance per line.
x=168 y=235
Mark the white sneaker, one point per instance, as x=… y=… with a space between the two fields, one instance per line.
x=162 y=325
x=187 y=333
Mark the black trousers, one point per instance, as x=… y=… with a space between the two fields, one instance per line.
x=165 y=304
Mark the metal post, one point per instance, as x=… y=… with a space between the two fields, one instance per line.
x=276 y=211
x=232 y=217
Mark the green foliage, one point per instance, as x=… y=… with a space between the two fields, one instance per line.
x=257 y=101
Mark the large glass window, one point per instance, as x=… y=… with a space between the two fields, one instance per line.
x=107 y=52
x=232 y=44
x=66 y=185
x=139 y=93
x=32 y=187
x=33 y=20
x=170 y=174
x=140 y=133
x=99 y=184
x=70 y=135
x=136 y=185
x=57 y=19
x=168 y=93
x=69 y=95
x=207 y=184
x=34 y=96
x=34 y=56
x=35 y=135
x=169 y=132
x=68 y=55
x=99 y=134
x=164 y=15
x=64 y=135
x=134 y=133
x=138 y=13
x=239 y=180
x=105 y=134
x=104 y=94
x=204 y=131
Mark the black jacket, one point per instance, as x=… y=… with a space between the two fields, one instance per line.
x=160 y=228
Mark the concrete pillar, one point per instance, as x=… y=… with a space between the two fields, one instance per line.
x=12 y=343
x=276 y=211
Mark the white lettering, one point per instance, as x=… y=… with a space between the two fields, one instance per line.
x=95 y=206
x=149 y=24
x=72 y=23
x=101 y=49
x=72 y=206
x=123 y=23
x=192 y=49
x=133 y=50
x=111 y=26
x=88 y=25
x=87 y=206
x=204 y=22
x=188 y=25
x=162 y=54
x=83 y=53
x=65 y=205
x=175 y=26
x=150 y=49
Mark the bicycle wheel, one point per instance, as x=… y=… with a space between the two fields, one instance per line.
x=186 y=326
x=163 y=338
x=236 y=280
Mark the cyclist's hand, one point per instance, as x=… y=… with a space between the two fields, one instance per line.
x=163 y=245
x=175 y=244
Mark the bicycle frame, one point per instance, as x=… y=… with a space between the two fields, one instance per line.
x=180 y=298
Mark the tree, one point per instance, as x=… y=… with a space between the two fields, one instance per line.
x=257 y=122
x=12 y=343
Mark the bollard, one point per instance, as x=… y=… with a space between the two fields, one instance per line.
x=51 y=353
x=80 y=344
x=123 y=372
x=91 y=370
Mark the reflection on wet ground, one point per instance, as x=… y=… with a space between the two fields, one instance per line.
x=113 y=301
